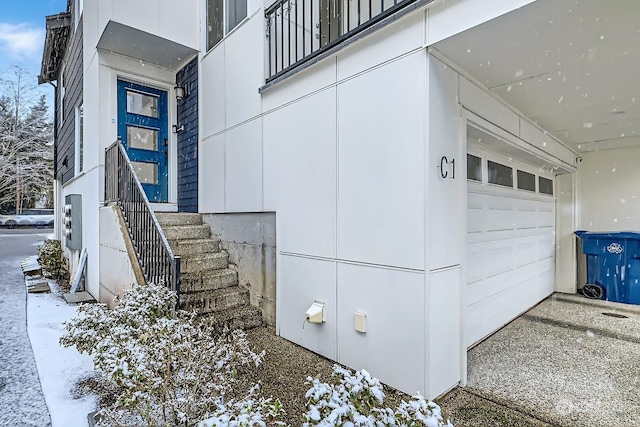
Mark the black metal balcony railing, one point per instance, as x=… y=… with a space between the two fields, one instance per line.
x=300 y=30
x=122 y=186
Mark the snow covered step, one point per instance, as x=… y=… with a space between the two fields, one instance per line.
x=189 y=247
x=181 y=232
x=208 y=280
x=30 y=266
x=204 y=262
x=245 y=318
x=214 y=301
x=173 y=218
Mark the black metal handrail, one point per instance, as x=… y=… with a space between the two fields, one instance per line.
x=300 y=30
x=122 y=186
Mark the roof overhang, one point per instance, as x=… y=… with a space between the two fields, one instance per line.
x=58 y=28
x=141 y=45
x=567 y=66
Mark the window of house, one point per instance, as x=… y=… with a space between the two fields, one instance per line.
x=222 y=17
x=79 y=122
x=61 y=98
x=500 y=174
x=526 y=181
x=545 y=185
x=474 y=168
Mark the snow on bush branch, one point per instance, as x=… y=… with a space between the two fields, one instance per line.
x=168 y=370
x=357 y=401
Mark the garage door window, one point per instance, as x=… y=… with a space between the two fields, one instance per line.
x=500 y=174
x=526 y=181
x=474 y=168
x=545 y=186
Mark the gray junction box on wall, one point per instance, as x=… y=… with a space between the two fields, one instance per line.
x=73 y=221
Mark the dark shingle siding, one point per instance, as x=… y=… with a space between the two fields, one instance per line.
x=188 y=139
x=72 y=76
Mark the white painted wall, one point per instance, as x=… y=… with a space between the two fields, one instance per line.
x=337 y=162
x=609 y=190
x=450 y=17
x=445 y=228
x=566 y=274
x=346 y=152
x=117 y=274
x=159 y=17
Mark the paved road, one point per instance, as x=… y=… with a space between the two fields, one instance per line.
x=21 y=399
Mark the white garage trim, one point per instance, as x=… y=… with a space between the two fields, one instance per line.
x=510 y=250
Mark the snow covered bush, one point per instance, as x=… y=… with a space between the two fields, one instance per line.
x=52 y=260
x=168 y=369
x=357 y=401
x=248 y=412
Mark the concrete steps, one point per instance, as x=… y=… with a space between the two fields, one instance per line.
x=245 y=317
x=207 y=285
x=208 y=280
x=215 y=301
x=204 y=262
x=171 y=218
x=189 y=247
x=183 y=232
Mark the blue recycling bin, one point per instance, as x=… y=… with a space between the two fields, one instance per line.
x=613 y=263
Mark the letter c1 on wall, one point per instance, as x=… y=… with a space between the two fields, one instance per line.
x=447 y=168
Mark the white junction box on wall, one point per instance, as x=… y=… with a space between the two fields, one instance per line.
x=360 y=320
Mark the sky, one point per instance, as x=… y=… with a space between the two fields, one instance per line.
x=22 y=30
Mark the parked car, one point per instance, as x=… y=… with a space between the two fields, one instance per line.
x=29 y=218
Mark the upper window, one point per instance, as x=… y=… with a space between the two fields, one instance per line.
x=79 y=139
x=61 y=94
x=500 y=174
x=545 y=185
x=222 y=17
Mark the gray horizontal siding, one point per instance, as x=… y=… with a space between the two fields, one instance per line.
x=72 y=76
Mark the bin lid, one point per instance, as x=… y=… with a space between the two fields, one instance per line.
x=608 y=234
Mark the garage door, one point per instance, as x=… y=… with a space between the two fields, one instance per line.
x=510 y=241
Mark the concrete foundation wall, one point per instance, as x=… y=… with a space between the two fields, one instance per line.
x=250 y=240
x=119 y=270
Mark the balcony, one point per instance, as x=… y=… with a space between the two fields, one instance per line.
x=300 y=31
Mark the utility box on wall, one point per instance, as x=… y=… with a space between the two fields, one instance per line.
x=73 y=221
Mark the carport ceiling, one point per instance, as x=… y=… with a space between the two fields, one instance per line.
x=570 y=66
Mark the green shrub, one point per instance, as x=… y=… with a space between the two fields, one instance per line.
x=169 y=370
x=52 y=259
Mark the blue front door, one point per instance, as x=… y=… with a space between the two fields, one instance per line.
x=142 y=127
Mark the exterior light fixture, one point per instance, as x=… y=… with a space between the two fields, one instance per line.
x=180 y=91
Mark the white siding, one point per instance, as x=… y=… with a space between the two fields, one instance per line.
x=381 y=165
x=211 y=173
x=448 y=18
x=300 y=174
x=393 y=348
x=243 y=168
x=302 y=281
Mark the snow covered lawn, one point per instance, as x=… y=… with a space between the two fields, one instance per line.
x=60 y=369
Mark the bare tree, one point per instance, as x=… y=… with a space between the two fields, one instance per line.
x=26 y=142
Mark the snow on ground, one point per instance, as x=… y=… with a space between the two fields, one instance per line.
x=21 y=401
x=60 y=369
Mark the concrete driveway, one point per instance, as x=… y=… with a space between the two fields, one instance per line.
x=566 y=362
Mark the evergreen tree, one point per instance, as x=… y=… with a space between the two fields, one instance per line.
x=26 y=143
